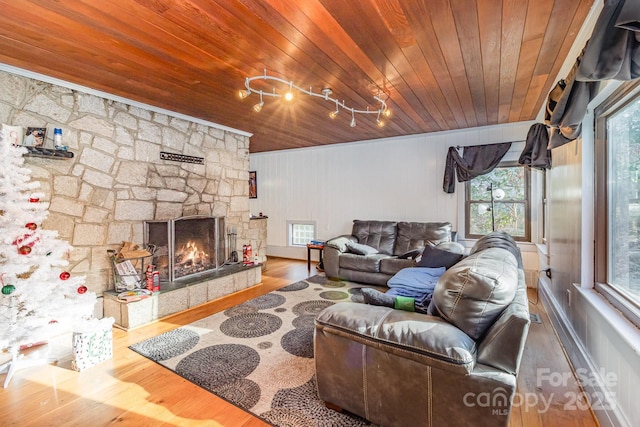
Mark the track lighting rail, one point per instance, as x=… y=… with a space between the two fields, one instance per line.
x=382 y=111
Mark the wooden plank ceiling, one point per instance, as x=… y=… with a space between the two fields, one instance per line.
x=442 y=64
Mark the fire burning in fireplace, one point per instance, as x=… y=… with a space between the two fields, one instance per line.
x=192 y=258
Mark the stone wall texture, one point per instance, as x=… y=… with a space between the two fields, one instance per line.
x=116 y=179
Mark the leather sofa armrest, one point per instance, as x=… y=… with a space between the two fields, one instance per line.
x=333 y=248
x=503 y=345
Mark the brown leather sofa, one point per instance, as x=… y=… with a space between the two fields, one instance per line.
x=456 y=367
x=390 y=239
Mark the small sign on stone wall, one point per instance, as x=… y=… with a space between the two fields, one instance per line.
x=181 y=158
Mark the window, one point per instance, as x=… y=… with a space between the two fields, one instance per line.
x=509 y=211
x=301 y=233
x=618 y=199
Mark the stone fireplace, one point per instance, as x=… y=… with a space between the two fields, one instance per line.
x=118 y=179
x=186 y=247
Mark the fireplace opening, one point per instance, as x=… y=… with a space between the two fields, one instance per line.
x=186 y=246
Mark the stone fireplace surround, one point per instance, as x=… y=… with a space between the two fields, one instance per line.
x=116 y=179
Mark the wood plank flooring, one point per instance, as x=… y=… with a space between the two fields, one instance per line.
x=130 y=390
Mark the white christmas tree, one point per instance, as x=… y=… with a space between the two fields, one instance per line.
x=40 y=298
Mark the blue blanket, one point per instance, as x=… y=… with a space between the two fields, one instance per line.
x=417 y=283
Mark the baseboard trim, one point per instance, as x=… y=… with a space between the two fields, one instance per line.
x=608 y=415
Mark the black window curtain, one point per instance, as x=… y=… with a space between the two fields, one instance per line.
x=536 y=153
x=475 y=161
x=612 y=53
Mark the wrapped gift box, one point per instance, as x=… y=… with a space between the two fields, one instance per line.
x=92 y=344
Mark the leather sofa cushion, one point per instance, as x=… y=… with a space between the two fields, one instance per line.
x=393 y=265
x=426 y=339
x=498 y=239
x=413 y=235
x=379 y=234
x=473 y=293
x=369 y=263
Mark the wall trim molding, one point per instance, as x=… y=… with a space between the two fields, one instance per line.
x=579 y=358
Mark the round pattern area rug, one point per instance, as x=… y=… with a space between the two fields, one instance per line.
x=258 y=355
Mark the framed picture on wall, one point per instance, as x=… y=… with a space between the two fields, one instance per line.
x=253 y=185
x=35 y=137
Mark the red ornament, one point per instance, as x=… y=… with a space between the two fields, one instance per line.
x=24 y=250
x=82 y=289
x=28 y=236
x=31 y=225
x=34 y=199
x=65 y=275
x=53 y=321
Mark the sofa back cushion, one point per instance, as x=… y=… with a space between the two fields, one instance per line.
x=473 y=293
x=378 y=234
x=412 y=235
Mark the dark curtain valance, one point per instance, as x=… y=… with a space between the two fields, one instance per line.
x=475 y=161
x=536 y=153
x=567 y=106
x=612 y=53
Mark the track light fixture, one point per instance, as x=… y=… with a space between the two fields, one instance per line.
x=335 y=113
x=325 y=93
x=258 y=106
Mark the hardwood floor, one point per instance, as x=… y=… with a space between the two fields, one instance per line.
x=134 y=391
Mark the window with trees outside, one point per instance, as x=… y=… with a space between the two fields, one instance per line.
x=618 y=198
x=509 y=208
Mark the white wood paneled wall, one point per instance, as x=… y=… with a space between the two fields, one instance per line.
x=386 y=179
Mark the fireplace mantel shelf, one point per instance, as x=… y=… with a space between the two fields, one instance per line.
x=181 y=295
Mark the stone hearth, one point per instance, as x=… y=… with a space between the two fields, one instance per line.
x=180 y=296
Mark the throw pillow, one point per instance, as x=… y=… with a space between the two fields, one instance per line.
x=411 y=254
x=432 y=257
x=472 y=294
x=360 y=249
x=339 y=243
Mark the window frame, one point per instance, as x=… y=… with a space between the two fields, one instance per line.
x=291 y=224
x=527 y=204
x=629 y=305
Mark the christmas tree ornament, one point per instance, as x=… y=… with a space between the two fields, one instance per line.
x=82 y=289
x=24 y=250
x=8 y=289
x=27 y=240
x=65 y=275
x=34 y=199
x=31 y=225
